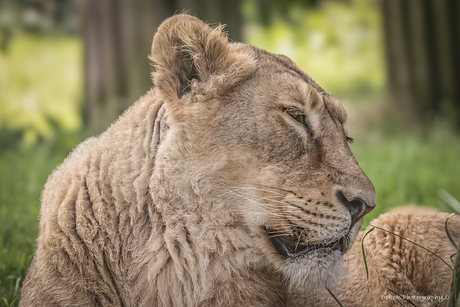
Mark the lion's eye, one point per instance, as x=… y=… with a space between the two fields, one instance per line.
x=300 y=118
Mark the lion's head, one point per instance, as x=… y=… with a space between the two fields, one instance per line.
x=251 y=135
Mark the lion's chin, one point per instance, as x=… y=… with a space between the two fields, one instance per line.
x=318 y=269
x=310 y=266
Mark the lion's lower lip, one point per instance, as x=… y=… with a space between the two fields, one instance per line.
x=289 y=247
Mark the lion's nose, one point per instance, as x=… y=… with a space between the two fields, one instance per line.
x=358 y=206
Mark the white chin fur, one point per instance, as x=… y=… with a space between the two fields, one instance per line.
x=318 y=269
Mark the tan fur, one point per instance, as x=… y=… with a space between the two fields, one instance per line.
x=172 y=204
x=395 y=264
x=414 y=210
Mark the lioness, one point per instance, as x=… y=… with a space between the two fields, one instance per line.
x=227 y=184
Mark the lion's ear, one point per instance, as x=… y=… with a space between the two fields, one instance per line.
x=185 y=48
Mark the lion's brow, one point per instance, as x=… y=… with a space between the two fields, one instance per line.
x=335 y=108
x=288 y=64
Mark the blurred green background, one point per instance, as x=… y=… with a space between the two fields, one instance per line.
x=69 y=68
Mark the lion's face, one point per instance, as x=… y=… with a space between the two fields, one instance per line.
x=256 y=136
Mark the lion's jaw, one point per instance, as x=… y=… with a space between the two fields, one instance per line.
x=318 y=267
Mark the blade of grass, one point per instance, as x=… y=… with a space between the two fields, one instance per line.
x=453 y=295
x=415 y=244
x=447 y=231
x=441 y=299
x=451 y=260
x=364 y=254
x=336 y=299
x=453 y=288
x=449 y=199
x=388 y=289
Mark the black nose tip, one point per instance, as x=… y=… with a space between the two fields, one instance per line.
x=356 y=206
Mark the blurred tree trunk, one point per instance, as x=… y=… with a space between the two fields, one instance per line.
x=117 y=40
x=423 y=55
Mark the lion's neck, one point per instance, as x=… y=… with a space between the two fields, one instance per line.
x=199 y=247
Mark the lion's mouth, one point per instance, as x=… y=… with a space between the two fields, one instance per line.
x=291 y=247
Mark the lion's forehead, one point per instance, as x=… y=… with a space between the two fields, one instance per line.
x=291 y=84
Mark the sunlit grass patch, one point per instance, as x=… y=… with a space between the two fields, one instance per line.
x=40 y=85
x=22 y=176
x=410 y=168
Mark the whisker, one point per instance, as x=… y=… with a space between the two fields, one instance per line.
x=298 y=240
x=262 y=185
x=265 y=198
x=278 y=235
x=225 y=200
x=259 y=189
x=266 y=186
x=273 y=206
x=283 y=233
x=293 y=229
x=260 y=206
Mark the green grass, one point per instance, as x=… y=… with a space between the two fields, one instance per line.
x=40 y=96
x=22 y=176
x=410 y=168
x=41 y=85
